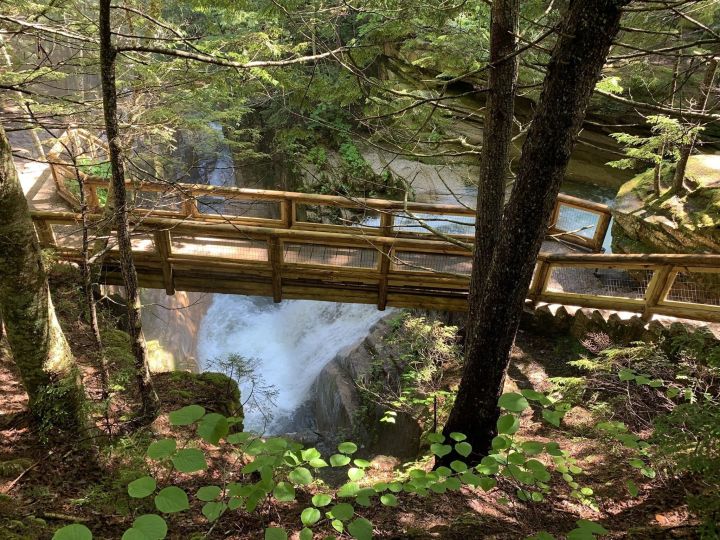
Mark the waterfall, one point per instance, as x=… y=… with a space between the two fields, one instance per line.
x=291 y=342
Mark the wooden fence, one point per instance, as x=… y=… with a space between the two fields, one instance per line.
x=298 y=245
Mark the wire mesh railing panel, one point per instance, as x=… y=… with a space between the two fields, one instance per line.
x=333 y=215
x=599 y=281
x=425 y=223
x=165 y=201
x=330 y=255
x=237 y=208
x=67 y=236
x=577 y=221
x=696 y=288
x=140 y=242
x=221 y=248
x=412 y=261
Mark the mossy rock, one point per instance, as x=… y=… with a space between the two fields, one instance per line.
x=215 y=391
x=14 y=467
x=118 y=348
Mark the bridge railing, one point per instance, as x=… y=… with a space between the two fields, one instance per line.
x=385 y=270
x=575 y=221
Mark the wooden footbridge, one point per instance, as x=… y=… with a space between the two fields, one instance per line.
x=390 y=253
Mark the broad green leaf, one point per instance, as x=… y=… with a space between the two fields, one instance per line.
x=318 y=463
x=339 y=460
x=213 y=510
x=348 y=490
x=76 y=531
x=284 y=492
x=436 y=438
x=440 y=450
x=458 y=466
x=463 y=448
x=186 y=415
x=162 y=448
x=276 y=533
x=321 y=499
x=189 y=460
x=306 y=534
x=142 y=487
x=342 y=511
x=501 y=442
x=388 y=499
x=361 y=529
x=310 y=454
x=347 y=448
x=362 y=463
x=458 y=437
x=338 y=525
x=508 y=424
x=487 y=483
x=355 y=474
x=213 y=427
x=171 y=499
x=513 y=402
x=300 y=476
x=532 y=448
x=626 y=375
x=151 y=526
x=310 y=516
x=552 y=417
x=208 y=493
x=632 y=488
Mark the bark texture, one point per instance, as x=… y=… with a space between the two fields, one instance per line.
x=37 y=342
x=108 y=57
x=585 y=36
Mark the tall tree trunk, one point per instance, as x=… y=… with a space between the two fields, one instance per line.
x=108 y=57
x=686 y=150
x=40 y=351
x=583 y=43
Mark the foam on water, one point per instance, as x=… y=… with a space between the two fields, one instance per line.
x=292 y=342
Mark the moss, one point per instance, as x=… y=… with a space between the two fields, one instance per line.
x=215 y=391
x=14 y=467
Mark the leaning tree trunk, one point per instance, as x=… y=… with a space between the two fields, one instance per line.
x=583 y=43
x=687 y=148
x=108 y=55
x=40 y=351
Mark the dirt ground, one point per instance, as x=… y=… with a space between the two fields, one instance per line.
x=45 y=486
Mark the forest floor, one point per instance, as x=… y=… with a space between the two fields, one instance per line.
x=46 y=485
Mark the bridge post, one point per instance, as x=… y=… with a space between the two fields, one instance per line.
x=163 y=245
x=44 y=232
x=384 y=269
x=287 y=213
x=275 y=257
x=387 y=219
x=540 y=278
x=657 y=289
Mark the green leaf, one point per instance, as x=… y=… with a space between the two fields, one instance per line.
x=142 y=487
x=284 y=492
x=513 y=402
x=337 y=525
x=388 y=499
x=171 y=499
x=626 y=374
x=632 y=488
x=458 y=437
x=552 y=417
x=342 y=511
x=440 y=450
x=321 y=499
x=463 y=448
x=208 y=493
x=339 y=460
x=186 y=415
x=306 y=534
x=348 y=490
x=150 y=526
x=161 y=449
x=501 y=442
x=347 y=448
x=362 y=463
x=300 y=476
x=487 y=483
x=508 y=424
x=213 y=510
x=76 y=531
x=355 y=474
x=310 y=516
x=436 y=438
x=361 y=529
x=317 y=463
x=276 y=533
x=458 y=466
x=532 y=448
x=189 y=460
x=213 y=427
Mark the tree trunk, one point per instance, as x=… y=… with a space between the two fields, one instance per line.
x=584 y=41
x=108 y=55
x=686 y=150
x=38 y=345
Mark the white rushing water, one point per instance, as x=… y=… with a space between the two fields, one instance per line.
x=291 y=341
